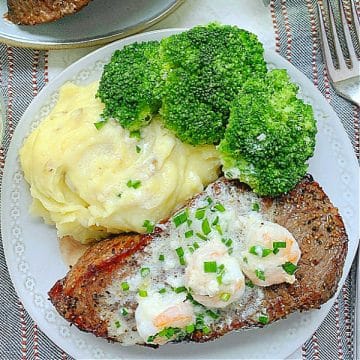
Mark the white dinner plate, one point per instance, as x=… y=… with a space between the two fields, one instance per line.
x=33 y=256
x=100 y=22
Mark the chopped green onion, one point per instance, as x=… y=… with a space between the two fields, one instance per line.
x=191 y=249
x=259 y=251
x=206 y=329
x=161 y=257
x=119 y=195
x=210 y=266
x=260 y=274
x=189 y=222
x=117 y=324
x=182 y=260
x=135 y=134
x=124 y=312
x=212 y=314
x=180 y=251
x=190 y=328
x=125 y=286
x=289 y=267
x=135 y=184
x=189 y=234
x=205 y=226
x=219 y=207
x=201 y=236
x=151 y=338
x=245 y=259
x=209 y=200
x=138 y=149
x=225 y=297
x=200 y=213
x=143 y=293
x=144 y=272
x=216 y=221
x=149 y=226
x=255 y=207
x=263 y=319
x=100 y=124
x=162 y=291
x=278 y=245
x=180 y=289
x=230 y=251
x=180 y=218
x=249 y=283
x=196 y=245
x=218 y=229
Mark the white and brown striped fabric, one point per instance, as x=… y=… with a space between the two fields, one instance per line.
x=24 y=72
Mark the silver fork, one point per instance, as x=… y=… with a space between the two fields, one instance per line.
x=345 y=79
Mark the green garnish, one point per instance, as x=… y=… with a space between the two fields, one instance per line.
x=260 y=251
x=135 y=134
x=189 y=234
x=201 y=236
x=219 y=207
x=143 y=293
x=218 y=229
x=216 y=221
x=260 y=274
x=180 y=218
x=200 y=213
x=119 y=195
x=180 y=289
x=255 y=207
x=135 y=184
x=289 y=267
x=209 y=200
x=245 y=259
x=249 y=283
x=151 y=338
x=278 y=245
x=220 y=272
x=210 y=266
x=117 y=324
x=206 y=329
x=124 y=312
x=161 y=257
x=100 y=124
x=162 y=291
x=149 y=226
x=263 y=319
x=182 y=260
x=190 y=328
x=145 y=272
x=212 y=314
x=227 y=242
x=180 y=251
x=196 y=245
x=205 y=226
x=138 y=149
x=225 y=297
x=125 y=286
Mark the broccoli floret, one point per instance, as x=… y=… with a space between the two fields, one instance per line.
x=130 y=83
x=205 y=68
x=270 y=135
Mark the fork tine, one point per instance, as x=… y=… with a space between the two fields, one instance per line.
x=326 y=48
x=355 y=17
x=337 y=46
x=349 y=43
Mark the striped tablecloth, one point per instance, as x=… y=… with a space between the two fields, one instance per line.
x=23 y=72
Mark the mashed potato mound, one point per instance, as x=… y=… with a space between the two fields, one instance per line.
x=90 y=182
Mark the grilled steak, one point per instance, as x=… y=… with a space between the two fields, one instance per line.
x=32 y=12
x=90 y=296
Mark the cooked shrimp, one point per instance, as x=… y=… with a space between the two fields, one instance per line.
x=214 y=276
x=160 y=311
x=271 y=254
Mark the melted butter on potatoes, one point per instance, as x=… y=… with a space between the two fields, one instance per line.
x=93 y=182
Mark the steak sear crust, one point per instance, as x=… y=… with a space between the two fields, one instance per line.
x=33 y=12
x=306 y=212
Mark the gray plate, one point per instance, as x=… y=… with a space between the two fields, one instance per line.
x=100 y=22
